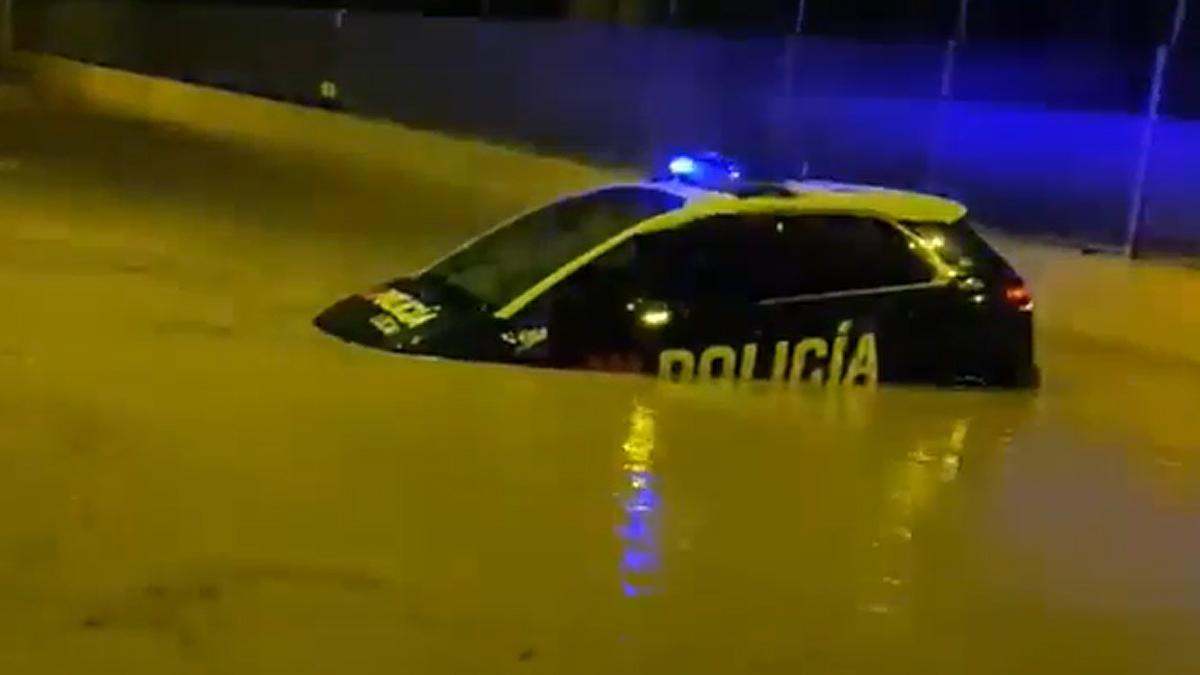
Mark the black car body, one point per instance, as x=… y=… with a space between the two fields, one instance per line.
x=801 y=282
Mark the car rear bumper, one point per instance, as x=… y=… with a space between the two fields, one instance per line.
x=997 y=351
x=1029 y=377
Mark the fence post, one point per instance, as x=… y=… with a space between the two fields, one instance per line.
x=790 y=134
x=1178 y=20
x=945 y=95
x=329 y=91
x=801 y=10
x=945 y=98
x=1137 y=202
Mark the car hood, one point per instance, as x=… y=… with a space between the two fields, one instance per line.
x=413 y=315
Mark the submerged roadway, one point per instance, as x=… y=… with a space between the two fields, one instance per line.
x=194 y=480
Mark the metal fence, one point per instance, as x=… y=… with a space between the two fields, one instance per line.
x=1074 y=141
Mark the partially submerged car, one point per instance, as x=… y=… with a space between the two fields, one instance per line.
x=703 y=275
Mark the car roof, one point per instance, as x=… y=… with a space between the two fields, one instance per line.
x=797 y=197
x=800 y=196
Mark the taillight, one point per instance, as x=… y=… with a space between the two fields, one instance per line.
x=1018 y=296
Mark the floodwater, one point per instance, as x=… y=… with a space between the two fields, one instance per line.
x=194 y=480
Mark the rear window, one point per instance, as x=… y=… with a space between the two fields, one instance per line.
x=510 y=260
x=960 y=245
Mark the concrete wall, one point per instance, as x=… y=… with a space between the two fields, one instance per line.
x=1140 y=306
x=1038 y=141
x=366 y=144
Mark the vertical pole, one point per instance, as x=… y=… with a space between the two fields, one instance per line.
x=673 y=11
x=1137 y=201
x=330 y=96
x=485 y=8
x=801 y=10
x=1178 y=21
x=789 y=131
x=945 y=95
x=960 y=28
x=948 y=63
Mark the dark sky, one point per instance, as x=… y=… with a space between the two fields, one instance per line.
x=1123 y=21
x=1126 y=21
x=1131 y=22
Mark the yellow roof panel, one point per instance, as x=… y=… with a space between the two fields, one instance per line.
x=887 y=204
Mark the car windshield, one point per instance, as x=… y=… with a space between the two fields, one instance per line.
x=510 y=260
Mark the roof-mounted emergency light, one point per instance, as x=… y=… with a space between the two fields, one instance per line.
x=708 y=169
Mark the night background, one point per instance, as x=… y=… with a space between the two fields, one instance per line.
x=1121 y=22
x=200 y=477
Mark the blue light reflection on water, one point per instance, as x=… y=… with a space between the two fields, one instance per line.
x=639 y=505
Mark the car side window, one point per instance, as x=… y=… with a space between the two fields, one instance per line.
x=708 y=260
x=587 y=312
x=758 y=257
x=606 y=281
x=844 y=252
x=509 y=260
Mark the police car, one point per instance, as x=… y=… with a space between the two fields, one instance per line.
x=702 y=274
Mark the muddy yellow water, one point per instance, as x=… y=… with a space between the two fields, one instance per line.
x=193 y=480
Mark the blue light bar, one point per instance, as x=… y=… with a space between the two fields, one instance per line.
x=706 y=169
x=683 y=166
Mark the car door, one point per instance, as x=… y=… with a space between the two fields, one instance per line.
x=653 y=297
x=700 y=275
x=820 y=299
x=849 y=299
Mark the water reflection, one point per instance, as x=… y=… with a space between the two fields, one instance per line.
x=912 y=487
x=639 y=528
